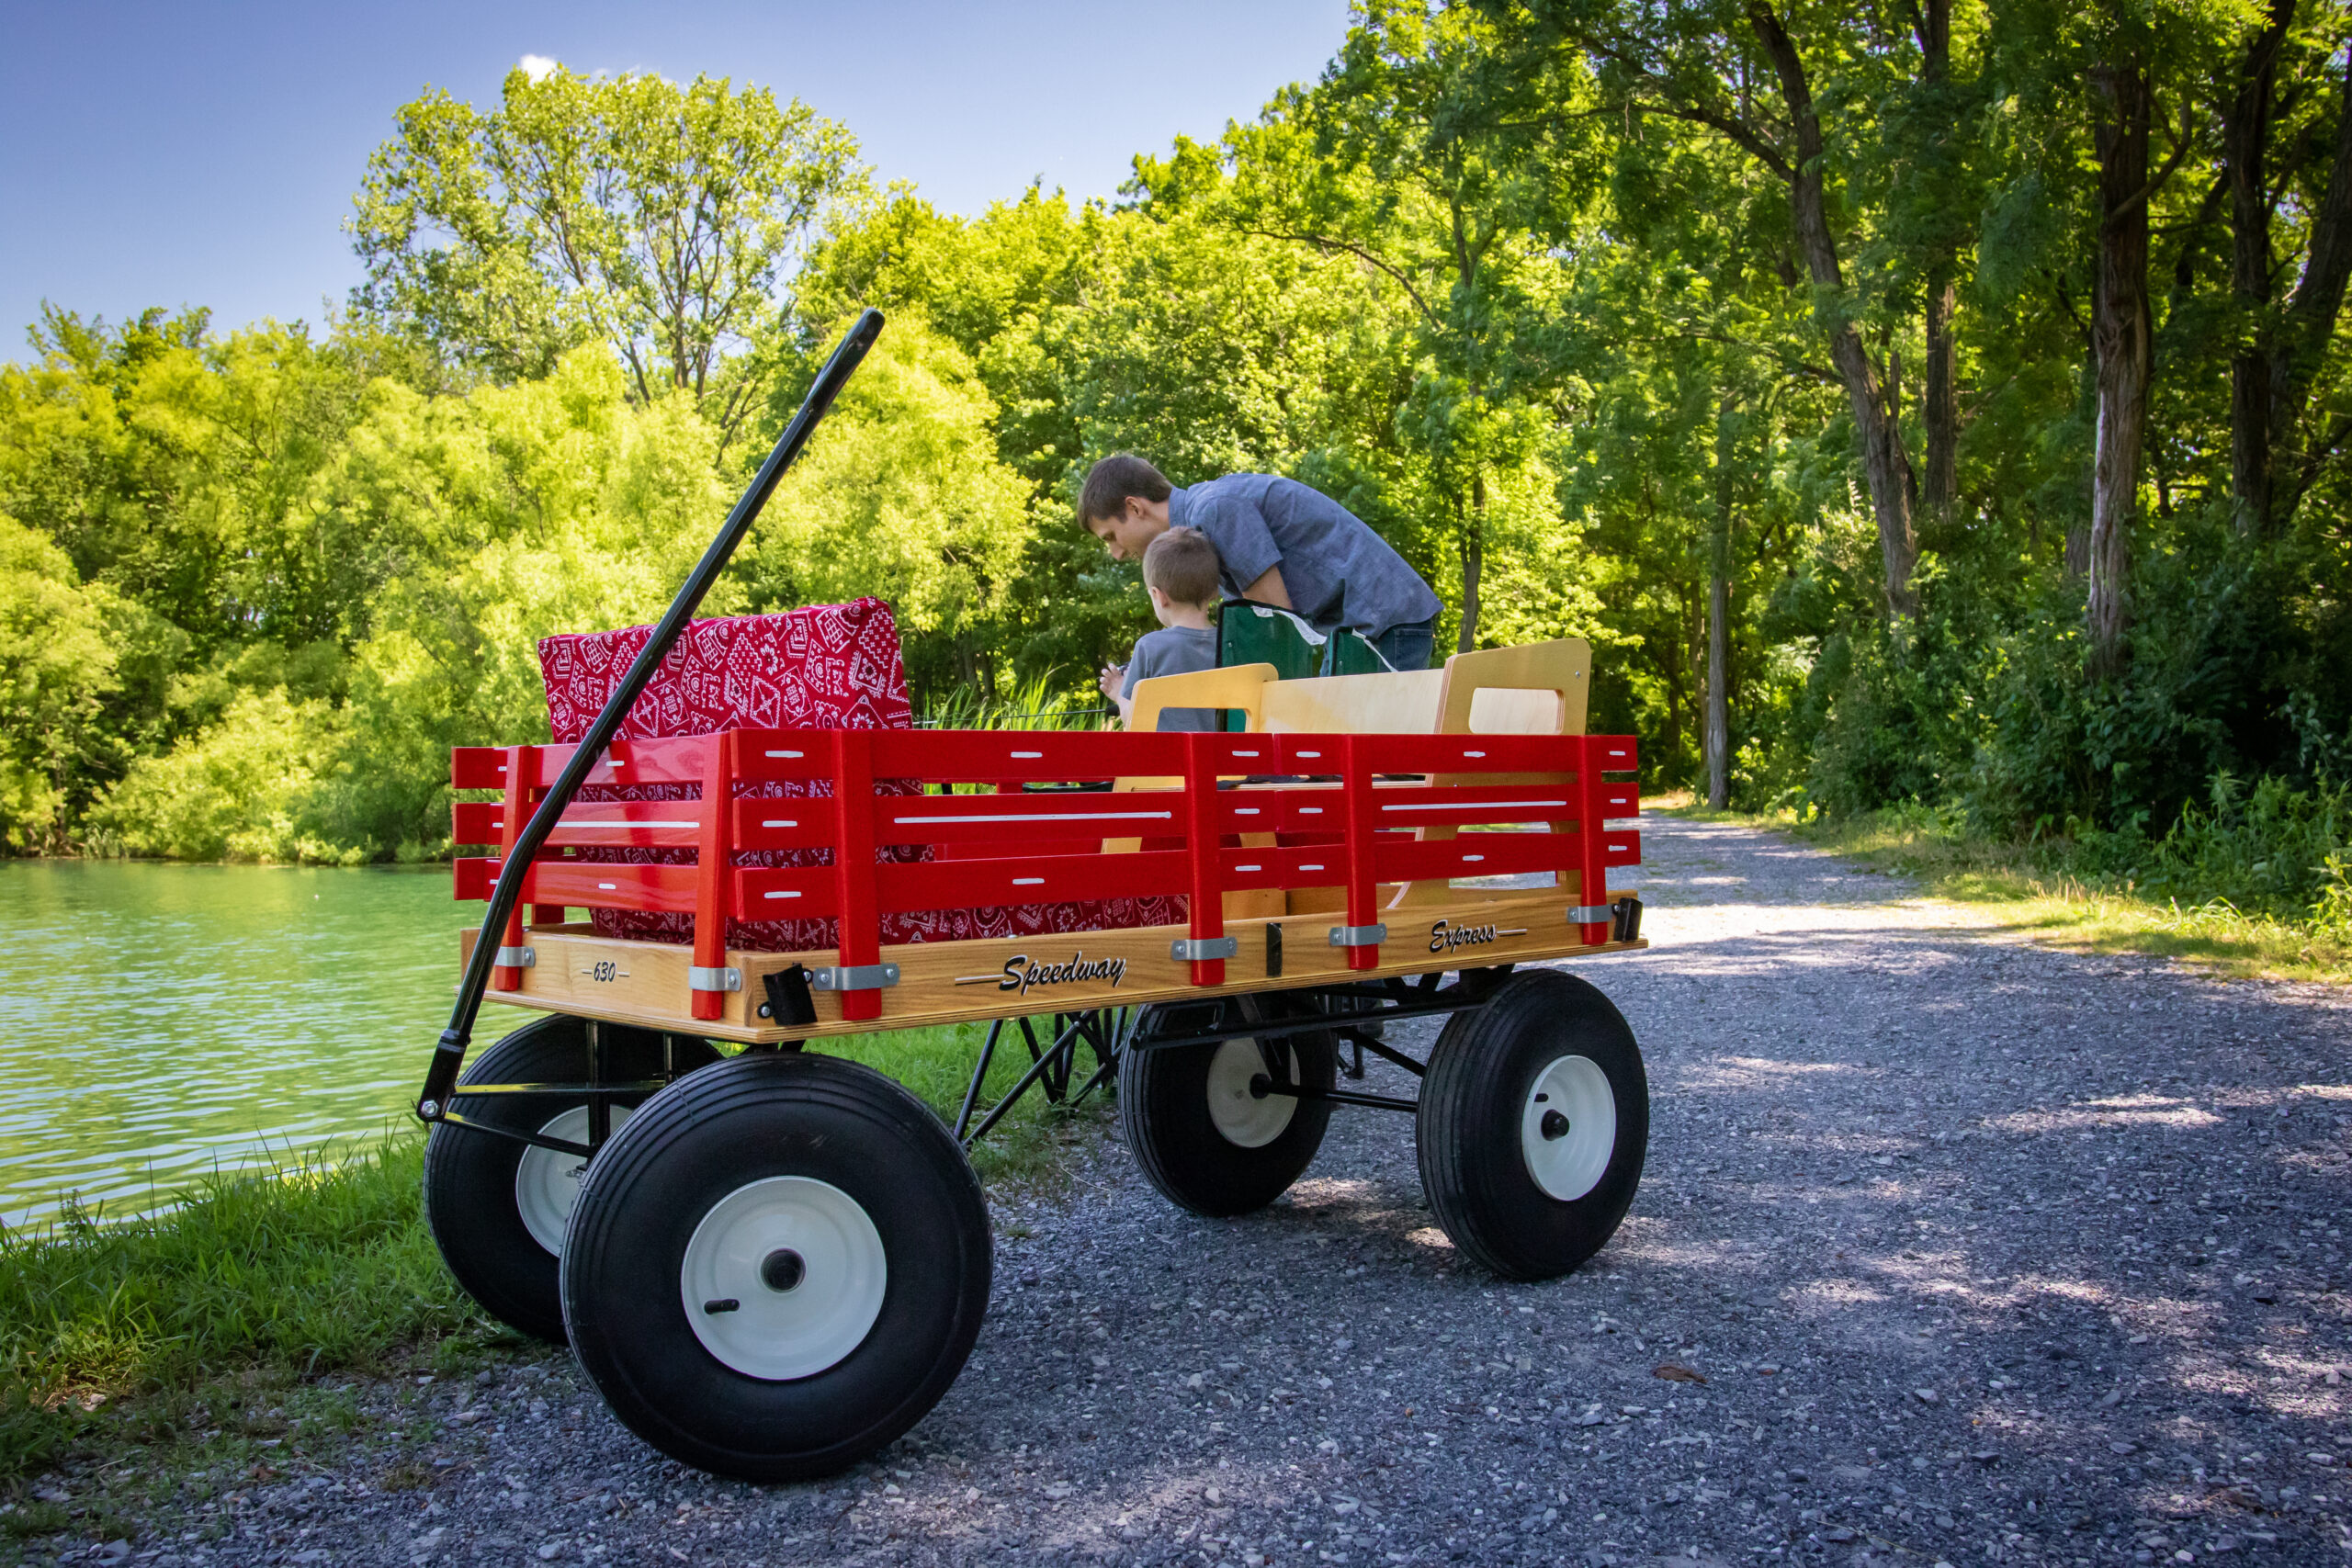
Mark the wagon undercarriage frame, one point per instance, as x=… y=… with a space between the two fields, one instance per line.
x=1355 y=1014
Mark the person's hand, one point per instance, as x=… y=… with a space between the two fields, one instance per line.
x=1113 y=677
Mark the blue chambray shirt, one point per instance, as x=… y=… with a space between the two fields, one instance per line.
x=1338 y=573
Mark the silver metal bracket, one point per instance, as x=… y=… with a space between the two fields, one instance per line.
x=1359 y=936
x=701 y=979
x=519 y=957
x=1198 y=950
x=853 y=978
x=1591 y=914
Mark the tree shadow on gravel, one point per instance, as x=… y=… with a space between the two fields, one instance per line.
x=2069 y=1223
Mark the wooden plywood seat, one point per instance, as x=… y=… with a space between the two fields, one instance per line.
x=1535 y=689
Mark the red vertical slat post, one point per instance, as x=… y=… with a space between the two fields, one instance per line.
x=521 y=761
x=860 y=921
x=714 y=879
x=1201 y=840
x=1364 y=888
x=544 y=914
x=1593 y=877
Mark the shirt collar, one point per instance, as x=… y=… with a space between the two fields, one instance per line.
x=1180 y=505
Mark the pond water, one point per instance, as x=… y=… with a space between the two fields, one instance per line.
x=165 y=1020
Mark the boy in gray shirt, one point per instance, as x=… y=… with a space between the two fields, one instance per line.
x=1180 y=572
x=1279 y=543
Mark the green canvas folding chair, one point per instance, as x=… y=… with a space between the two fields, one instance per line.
x=1251 y=632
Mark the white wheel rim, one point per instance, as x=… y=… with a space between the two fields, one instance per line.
x=1245 y=1120
x=1568 y=1128
x=818 y=1238
x=546 y=1182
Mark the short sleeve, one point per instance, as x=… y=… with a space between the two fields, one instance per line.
x=1142 y=664
x=1245 y=544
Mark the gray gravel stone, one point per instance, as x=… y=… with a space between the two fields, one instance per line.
x=1989 y=1252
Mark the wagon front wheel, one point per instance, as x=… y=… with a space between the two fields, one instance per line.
x=1533 y=1125
x=778 y=1267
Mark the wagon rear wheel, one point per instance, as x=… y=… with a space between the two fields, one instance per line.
x=1205 y=1122
x=778 y=1267
x=497 y=1209
x=1533 y=1124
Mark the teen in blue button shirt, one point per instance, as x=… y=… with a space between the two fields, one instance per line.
x=1281 y=543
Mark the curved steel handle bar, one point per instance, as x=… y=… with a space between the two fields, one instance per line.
x=450 y=1053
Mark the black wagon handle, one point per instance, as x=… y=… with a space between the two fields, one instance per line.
x=450 y=1054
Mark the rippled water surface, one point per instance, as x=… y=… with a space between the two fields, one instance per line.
x=163 y=1020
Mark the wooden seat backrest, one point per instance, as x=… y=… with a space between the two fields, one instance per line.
x=1393 y=703
x=1242 y=686
x=1534 y=689
x=1539 y=688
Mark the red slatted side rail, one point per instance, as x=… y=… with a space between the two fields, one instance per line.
x=1352 y=827
x=666 y=889
x=1013 y=819
x=791 y=822
x=1001 y=756
x=630 y=824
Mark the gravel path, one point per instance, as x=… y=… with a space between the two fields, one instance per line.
x=1984 y=1253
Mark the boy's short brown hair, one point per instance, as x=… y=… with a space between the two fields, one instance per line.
x=1182 y=564
x=1112 y=480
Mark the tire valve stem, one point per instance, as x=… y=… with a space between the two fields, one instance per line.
x=725 y=1304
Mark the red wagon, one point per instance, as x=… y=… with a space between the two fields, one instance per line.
x=774 y=1262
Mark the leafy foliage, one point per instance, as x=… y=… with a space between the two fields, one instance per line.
x=1758 y=333
x=655 y=218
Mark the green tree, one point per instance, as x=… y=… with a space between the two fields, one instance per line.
x=57 y=667
x=902 y=495
x=1420 y=160
x=659 y=219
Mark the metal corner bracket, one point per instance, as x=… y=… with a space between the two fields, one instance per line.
x=853 y=978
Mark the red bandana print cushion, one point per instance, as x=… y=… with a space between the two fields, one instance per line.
x=825 y=667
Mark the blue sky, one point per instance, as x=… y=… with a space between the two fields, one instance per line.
x=205 y=154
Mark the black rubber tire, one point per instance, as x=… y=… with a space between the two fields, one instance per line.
x=1474 y=1169
x=470 y=1201
x=782 y=1114
x=1164 y=1114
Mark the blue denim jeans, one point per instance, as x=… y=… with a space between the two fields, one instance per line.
x=1406 y=647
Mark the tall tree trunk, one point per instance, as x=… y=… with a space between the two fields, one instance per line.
x=1474 y=560
x=1718 y=697
x=2310 y=319
x=1939 y=405
x=2120 y=334
x=1886 y=466
x=2246 y=139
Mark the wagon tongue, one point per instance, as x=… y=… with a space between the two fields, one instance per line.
x=500 y=926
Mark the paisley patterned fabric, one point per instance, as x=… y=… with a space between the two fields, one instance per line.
x=825 y=667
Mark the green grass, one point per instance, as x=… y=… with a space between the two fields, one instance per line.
x=190 y=1338
x=2030 y=892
